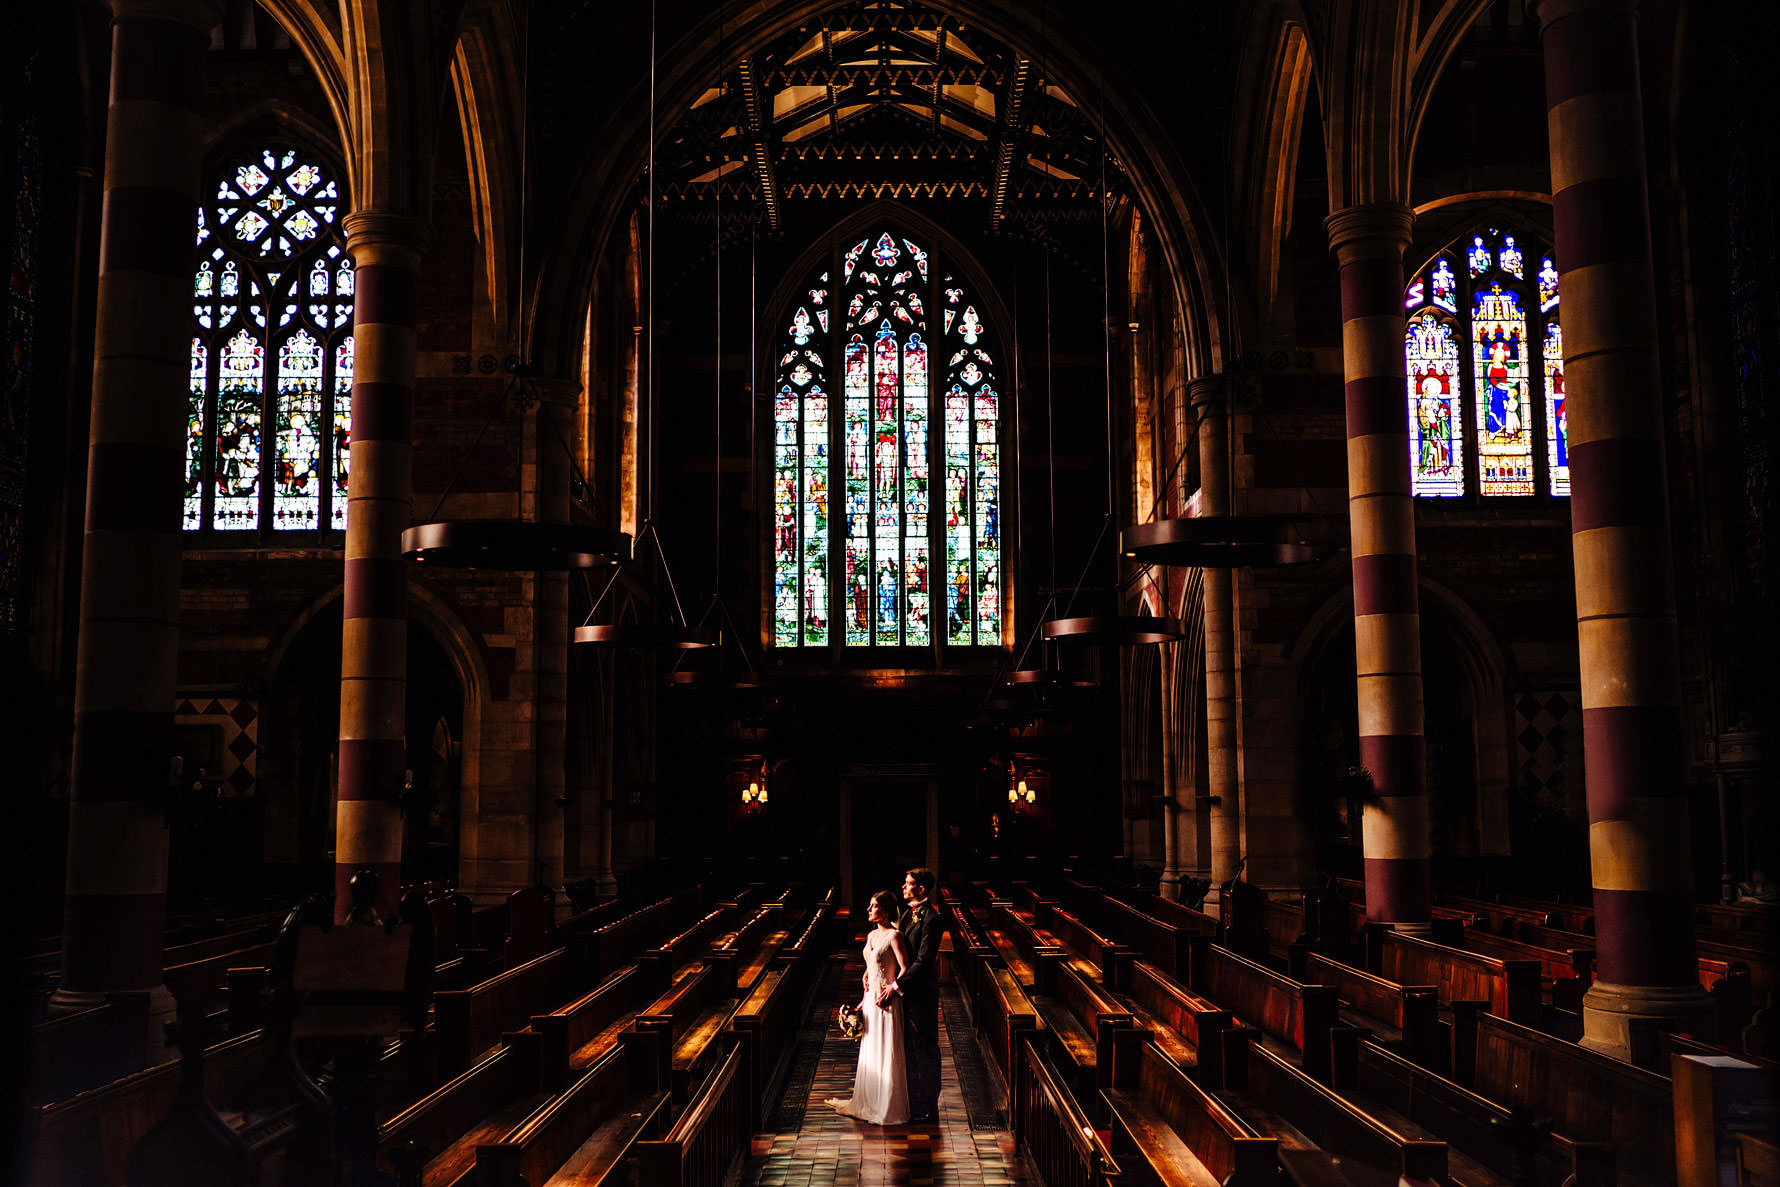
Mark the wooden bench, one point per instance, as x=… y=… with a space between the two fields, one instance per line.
x=1015 y=940
x=750 y=947
x=1182 y=917
x=1080 y=1019
x=1161 y=944
x=612 y=945
x=1050 y=1124
x=971 y=951
x=1284 y=924
x=1297 y=1015
x=1188 y=1028
x=86 y=1140
x=675 y=952
x=1410 y=1012
x=767 y=1021
x=578 y=1137
x=1182 y=1133
x=1413 y=1098
x=1106 y=955
x=479 y=1104
x=1590 y=1097
x=808 y=940
x=468 y=1022
x=1006 y=1014
x=1510 y=986
x=1310 y=1119
x=1564 y=976
x=691 y=1015
x=575 y=1035
x=710 y=1134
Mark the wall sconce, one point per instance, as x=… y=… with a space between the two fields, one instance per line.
x=1020 y=793
x=754 y=795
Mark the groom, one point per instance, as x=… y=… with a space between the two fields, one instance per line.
x=919 y=987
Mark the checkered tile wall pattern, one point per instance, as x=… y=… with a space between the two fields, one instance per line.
x=1548 y=730
x=238 y=723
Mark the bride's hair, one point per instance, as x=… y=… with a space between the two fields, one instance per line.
x=885 y=902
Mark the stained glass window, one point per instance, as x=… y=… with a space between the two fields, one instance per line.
x=270 y=413
x=1508 y=398
x=898 y=375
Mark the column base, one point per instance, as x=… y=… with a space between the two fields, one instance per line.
x=1168 y=886
x=155 y=1007
x=605 y=886
x=1422 y=929
x=1608 y=1012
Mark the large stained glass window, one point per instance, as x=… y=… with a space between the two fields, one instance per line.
x=897 y=568
x=270 y=414
x=1482 y=299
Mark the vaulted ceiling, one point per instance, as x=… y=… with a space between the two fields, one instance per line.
x=886 y=100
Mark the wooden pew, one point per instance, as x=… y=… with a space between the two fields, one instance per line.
x=710 y=1134
x=1284 y=924
x=612 y=945
x=691 y=1015
x=970 y=951
x=1409 y=1012
x=1050 y=1124
x=1106 y=955
x=85 y=1141
x=1185 y=1135
x=749 y=949
x=767 y=1020
x=1080 y=1019
x=578 y=1137
x=1186 y=1027
x=1590 y=1097
x=1015 y=941
x=467 y=1022
x=674 y=953
x=1510 y=986
x=479 y=1104
x=1007 y=1014
x=1413 y=1099
x=576 y=1035
x=1564 y=976
x=1161 y=944
x=1182 y=917
x=1314 y=1124
x=1297 y=1015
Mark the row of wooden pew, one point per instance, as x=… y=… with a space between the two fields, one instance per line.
x=555 y=1049
x=1207 y=1066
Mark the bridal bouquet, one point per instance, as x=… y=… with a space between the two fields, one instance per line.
x=852 y=1022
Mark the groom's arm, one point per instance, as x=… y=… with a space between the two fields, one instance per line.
x=926 y=954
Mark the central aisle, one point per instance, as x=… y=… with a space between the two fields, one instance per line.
x=829 y=1150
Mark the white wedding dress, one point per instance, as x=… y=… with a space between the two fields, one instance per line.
x=880 y=1084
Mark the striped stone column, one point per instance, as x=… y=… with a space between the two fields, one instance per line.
x=1368 y=242
x=1208 y=397
x=125 y=679
x=386 y=251
x=1619 y=521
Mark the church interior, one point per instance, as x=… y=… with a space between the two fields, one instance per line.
x=519 y=517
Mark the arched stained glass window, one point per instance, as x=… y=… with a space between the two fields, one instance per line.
x=1507 y=397
x=878 y=564
x=271 y=360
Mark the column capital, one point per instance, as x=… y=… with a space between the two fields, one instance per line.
x=373 y=237
x=560 y=396
x=1546 y=13
x=1209 y=392
x=202 y=15
x=1376 y=230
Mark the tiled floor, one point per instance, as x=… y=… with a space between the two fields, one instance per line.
x=830 y=1150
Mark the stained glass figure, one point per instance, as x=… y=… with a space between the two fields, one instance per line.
x=1557 y=428
x=1481 y=257
x=1510 y=257
x=888 y=530
x=1436 y=439
x=1504 y=413
x=1548 y=285
x=271 y=380
x=1445 y=285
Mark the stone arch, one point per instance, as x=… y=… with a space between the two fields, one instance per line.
x=462 y=649
x=1320 y=694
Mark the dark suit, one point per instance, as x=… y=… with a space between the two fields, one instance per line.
x=919 y=988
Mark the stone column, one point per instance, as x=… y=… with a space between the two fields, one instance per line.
x=555 y=420
x=1619 y=521
x=1224 y=786
x=386 y=251
x=1368 y=242
x=1169 y=884
x=125 y=679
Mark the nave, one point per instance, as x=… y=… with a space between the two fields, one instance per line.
x=1094 y=1033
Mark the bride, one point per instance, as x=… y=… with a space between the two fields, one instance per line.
x=880 y=1084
